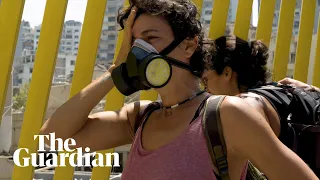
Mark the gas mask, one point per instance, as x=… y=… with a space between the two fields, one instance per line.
x=145 y=68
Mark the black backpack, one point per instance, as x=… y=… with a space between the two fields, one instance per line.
x=299 y=112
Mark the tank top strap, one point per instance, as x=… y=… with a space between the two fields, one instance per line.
x=144 y=113
x=200 y=108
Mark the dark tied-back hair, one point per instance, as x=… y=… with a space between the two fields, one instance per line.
x=181 y=16
x=247 y=59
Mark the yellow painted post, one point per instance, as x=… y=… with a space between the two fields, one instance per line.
x=41 y=82
x=304 y=41
x=115 y=100
x=198 y=4
x=10 y=20
x=316 y=67
x=151 y=95
x=242 y=24
x=89 y=43
x=265 y=21
x=219 y=17
x=283 y=39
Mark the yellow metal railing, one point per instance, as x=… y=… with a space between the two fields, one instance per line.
x=10 y=18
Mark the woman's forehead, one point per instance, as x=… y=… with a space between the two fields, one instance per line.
x=146 y=23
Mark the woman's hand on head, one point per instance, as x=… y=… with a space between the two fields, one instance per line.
x=127 y=38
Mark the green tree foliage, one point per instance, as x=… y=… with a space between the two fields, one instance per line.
x=19 y=100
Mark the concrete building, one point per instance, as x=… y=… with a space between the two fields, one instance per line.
x=312 y=58
x=109 y=34
x=6 y=122
x=297 y=15
x=23 y=68
x=291 y=55
x=18 y=57
x=27 y=36
x=37 y=30
x=70 y=37
x=65 y=65
x=207 y=12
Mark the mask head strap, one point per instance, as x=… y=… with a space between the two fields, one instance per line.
x=172 y=46
x=177 y=63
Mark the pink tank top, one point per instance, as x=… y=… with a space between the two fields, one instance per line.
x=186 y=157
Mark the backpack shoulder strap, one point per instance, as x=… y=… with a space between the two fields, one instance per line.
x=144 y=113
x=211 y=123
x=213 y=132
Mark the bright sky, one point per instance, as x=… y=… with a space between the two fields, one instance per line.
x=255 y=13
x=34 y=10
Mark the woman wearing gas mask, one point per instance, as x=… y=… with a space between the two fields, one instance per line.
x=167 y=55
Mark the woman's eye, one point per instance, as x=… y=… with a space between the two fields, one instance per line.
x=152 y=38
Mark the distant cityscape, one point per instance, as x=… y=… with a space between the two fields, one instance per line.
x=29 y=37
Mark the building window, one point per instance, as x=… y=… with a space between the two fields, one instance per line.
x=76 y=30
x=296 y=24
x=76 y=42
x=208 y=12
x=207 y=22
x=37 y=37
x=38 y=30
x=112 y=28
x=110 y=56
x=76 y=37
x=111 y=46
x=20 y=71
x=111 y=9
x=72 y=63
x=293 y=58
x=27 y=59
x=111 y=37
x=112 y=19
x=19 y=81
x=68 y=36
x=30 y=70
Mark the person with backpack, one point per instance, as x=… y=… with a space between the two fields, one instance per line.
x=162 y=50
x=238 y=68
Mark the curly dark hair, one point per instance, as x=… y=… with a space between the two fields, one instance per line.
x=247 y=59
x=181 y=16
